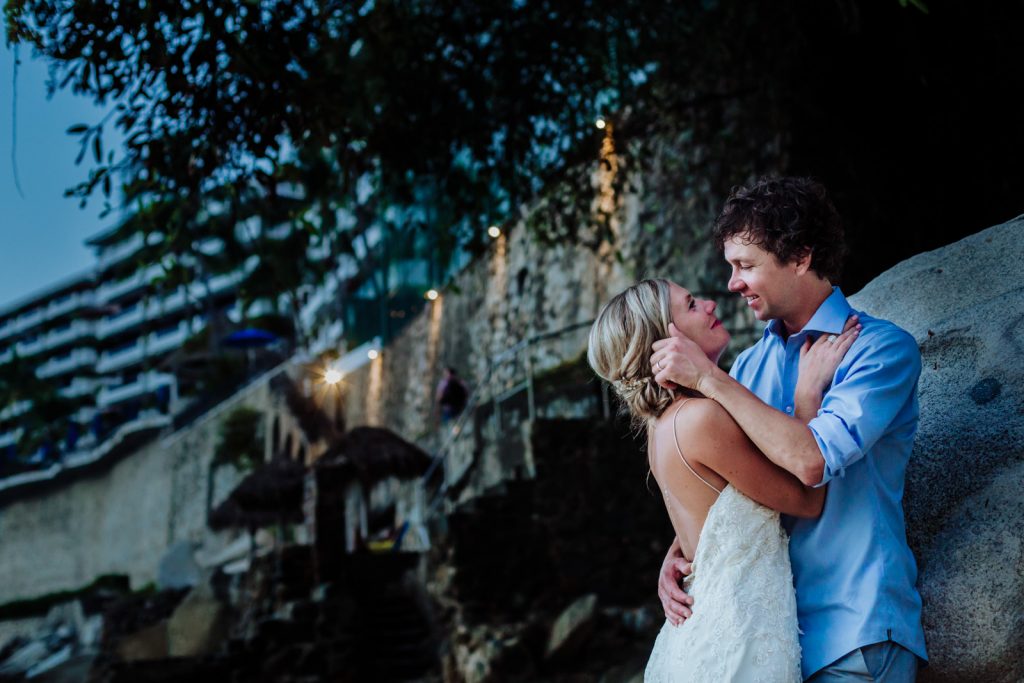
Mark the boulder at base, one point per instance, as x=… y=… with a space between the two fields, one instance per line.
x=964 y=304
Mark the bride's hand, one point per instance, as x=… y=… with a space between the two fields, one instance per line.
x=820 y=359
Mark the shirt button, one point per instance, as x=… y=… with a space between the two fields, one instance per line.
x=789 y=409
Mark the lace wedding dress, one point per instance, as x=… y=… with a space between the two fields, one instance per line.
x=744 y=625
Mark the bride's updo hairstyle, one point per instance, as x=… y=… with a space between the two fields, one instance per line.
x=619 y=349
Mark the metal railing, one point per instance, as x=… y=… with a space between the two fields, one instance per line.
x=475 y=400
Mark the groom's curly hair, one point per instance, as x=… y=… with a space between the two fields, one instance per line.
x=787 y=217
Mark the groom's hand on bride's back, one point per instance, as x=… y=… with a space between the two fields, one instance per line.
x=674 y=600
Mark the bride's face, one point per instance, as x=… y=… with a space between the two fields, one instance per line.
x=696 y=319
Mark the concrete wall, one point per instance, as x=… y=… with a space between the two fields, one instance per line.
x=118 y=521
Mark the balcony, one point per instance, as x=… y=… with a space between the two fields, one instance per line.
x=23 y=322
x=163 y=341
x=138 y=280
x=111 y=361
x=112 y=324
x=80 y=386
x=30 y=348
x=217 y=284
x=10 y=438
x=118 y=252
x=77 y=329
x=70 y=303
x=62 y=364
x=15 y=409
x=146 y=383
x=165 y=305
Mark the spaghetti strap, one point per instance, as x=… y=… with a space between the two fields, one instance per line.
x=675 y=437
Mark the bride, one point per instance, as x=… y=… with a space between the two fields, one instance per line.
x=721 y=494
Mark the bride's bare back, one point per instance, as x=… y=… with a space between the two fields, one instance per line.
x=695 y=449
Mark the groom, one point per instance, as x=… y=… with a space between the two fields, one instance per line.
x=859 y=612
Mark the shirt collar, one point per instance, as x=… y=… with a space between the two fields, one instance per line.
x=829 y=318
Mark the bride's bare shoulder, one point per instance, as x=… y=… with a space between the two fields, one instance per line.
x=696 y=414
x=700 y=425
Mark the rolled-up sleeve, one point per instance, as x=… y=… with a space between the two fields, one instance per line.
x=871 y=389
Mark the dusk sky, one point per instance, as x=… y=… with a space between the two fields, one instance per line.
x=41 y=232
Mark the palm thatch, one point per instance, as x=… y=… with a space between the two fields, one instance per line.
x=375 y=453
x=270 y=495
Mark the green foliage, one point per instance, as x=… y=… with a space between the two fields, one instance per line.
x=241 y=439
x=39 y=605
x=364 y=128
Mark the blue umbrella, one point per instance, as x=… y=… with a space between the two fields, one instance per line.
x=248 y=338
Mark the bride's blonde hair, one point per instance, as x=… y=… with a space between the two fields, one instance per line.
x=619 y=348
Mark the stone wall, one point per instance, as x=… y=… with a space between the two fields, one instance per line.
x=521 y=288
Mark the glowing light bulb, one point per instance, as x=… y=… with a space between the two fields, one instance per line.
x=494 y=231
x=332 y=376
x=372 y=354
x=600 y=123
x=432 y=294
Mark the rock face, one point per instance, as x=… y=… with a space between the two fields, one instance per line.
x=963 y=303
x=572 y=627
x=198 y=625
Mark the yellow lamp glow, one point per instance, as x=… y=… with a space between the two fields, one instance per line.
x=332 y=376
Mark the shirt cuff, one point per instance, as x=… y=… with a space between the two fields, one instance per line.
x=837 y=445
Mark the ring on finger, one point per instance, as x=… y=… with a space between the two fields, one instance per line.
x=831 y=339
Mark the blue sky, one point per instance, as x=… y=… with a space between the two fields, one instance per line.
x=42 y=233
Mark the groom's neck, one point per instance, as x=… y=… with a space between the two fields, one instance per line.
x=808 y=304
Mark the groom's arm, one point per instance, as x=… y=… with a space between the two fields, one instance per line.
x=785 y=440
x=872 y=387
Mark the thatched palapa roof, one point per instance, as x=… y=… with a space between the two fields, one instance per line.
x=269 y=495
x=374 y=453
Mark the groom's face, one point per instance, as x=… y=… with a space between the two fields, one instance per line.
x=768 y=286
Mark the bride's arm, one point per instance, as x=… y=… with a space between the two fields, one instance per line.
x=710 y=437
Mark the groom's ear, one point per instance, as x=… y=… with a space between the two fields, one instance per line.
x=802 y=263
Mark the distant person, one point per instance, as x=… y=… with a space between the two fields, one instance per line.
x=451 y=395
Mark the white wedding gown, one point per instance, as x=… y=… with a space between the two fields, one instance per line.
x=744 y=625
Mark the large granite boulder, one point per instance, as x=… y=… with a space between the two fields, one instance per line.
x=964 y=303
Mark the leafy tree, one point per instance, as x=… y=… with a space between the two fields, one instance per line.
x=361 y=124
x=358 y=123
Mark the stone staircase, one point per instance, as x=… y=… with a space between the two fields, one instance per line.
x=393 y=640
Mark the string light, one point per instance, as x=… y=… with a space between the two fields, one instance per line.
x=600 y=123
x=332 y=376
x=494 y=231
x=372 y=354
x=432 y=294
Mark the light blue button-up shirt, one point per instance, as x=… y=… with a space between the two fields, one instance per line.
x=853 y=570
